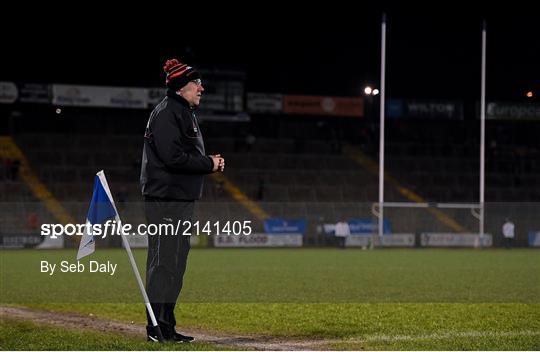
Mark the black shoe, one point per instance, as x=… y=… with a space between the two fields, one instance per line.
x=152 y=335
x=152 y=338
x=177 y=337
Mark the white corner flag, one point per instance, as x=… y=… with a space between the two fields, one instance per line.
x=103 y=209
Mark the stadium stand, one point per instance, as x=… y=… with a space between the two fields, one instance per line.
x=295 y=167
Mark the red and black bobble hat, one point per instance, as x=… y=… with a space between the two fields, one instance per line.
x=179 y=74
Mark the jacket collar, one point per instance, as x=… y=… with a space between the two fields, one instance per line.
x=172 y=94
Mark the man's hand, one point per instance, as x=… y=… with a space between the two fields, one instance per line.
x=219 y=163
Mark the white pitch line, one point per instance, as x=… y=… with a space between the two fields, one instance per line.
x=443 y=336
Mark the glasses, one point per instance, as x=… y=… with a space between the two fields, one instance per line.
x=197 y=81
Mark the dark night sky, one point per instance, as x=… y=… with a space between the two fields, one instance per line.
x=432 y=52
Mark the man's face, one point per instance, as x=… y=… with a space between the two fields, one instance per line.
x=192 y=92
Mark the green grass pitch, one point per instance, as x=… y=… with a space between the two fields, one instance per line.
x=355 y=299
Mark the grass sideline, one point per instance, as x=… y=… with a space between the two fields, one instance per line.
x=18 y=335
x=496 y=295
x=384 y=326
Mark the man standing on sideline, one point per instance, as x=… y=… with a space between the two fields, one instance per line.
x=508 y=233
x=172 y=170
x=342 y=231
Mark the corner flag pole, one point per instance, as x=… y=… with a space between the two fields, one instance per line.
x=381 y=132
x=133 y=263
x=141 y=286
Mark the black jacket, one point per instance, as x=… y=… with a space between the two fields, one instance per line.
x=173 y=160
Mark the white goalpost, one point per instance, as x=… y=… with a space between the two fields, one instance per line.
x=477 y=209
x=381 y=130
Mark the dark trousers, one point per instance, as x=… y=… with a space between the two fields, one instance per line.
x=341 y=241
x=167 y=259
x=508 y=242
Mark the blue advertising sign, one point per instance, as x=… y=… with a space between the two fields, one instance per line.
x=368 y=226
x=394 y=108
x=534 y=239
x=282 y=226
x=424 y=109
